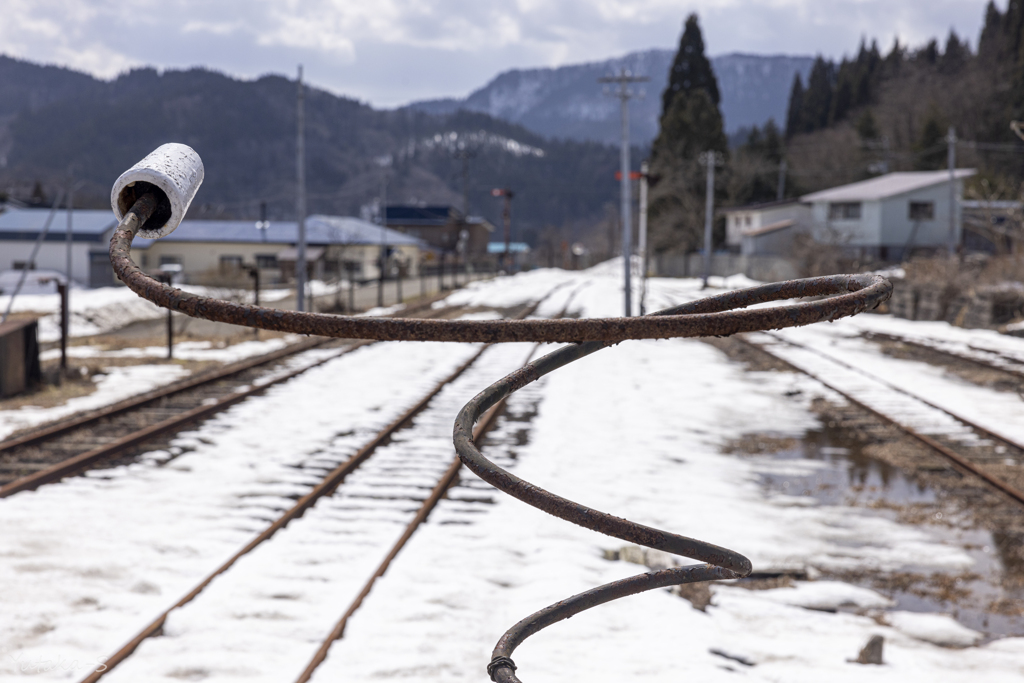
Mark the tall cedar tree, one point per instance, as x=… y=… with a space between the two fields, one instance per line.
x=691 y=123
x=794 y=124
x=690 y=70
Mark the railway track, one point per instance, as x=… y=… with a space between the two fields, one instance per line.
x=395 y=479
x=953 y=436
x=989 y=359
x=48 y=454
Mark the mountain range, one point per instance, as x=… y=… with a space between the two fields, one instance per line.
x=568 y=102
x=542 y=133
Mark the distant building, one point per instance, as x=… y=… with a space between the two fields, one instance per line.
x=993 y=226
x=887 y=217
x=336 y=247
x=90 y=241
x=441 y=227
x=208 y=250
x=765 y=229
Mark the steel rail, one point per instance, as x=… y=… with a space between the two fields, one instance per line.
x=325 y=487
x=714 y=316
x=446 y=481
x=946 y=452
x=892 y=387
x=981 y=362
x=61 y=469
x=62 y=427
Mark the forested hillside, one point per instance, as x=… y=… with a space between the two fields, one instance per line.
x=57 y=125
x=891 y=111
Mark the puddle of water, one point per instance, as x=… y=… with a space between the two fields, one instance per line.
x=826 y=465
x=846 y=477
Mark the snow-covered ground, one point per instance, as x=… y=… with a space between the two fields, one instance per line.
x=117 y=383
x=637 y=430
x=113 y=385
x=104 y=309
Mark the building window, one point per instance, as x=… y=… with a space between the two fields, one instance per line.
x=166 y=260
x=229 y=264
x=746 y=221
x=844 y=211
x=266 y=261
x=24 y=265
x=922 y=211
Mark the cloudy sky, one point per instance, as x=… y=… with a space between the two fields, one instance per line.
x=389 y=52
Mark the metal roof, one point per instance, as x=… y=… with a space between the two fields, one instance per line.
x=773 y=227
x=320 y=230
x=26 y=224
x=889 y=185
x=419 y=215
x=761 y=206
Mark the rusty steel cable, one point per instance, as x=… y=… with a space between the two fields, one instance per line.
x=846 y=295
x=447 y=480
x=841 y=296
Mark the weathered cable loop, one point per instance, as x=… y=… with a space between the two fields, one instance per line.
x=722 y=563
x=714 y=316
x=848 y=294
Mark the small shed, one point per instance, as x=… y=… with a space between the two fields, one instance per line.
x=19 y=356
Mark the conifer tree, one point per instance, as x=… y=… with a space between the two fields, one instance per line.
x=955 y=55
x=930 y=147
x=691 y=123
x=817 y=102
x=691 y=69
x=794 y=124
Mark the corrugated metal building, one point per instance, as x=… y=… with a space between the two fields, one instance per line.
x=207 y=250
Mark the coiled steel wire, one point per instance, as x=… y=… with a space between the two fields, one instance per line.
x=843 y=295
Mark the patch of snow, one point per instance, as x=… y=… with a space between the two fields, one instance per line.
x=939 y=629
x=825 y=595
x=117 y=384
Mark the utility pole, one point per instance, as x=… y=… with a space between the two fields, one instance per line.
x=300 y=258
x=951 y=161
x=506 y=215
x=262 y=224
x=780 y=190
x=383 y=237
x=465 y=155
x=709 y=159
x=644 y=172
x=623 y=92
x=65 y=309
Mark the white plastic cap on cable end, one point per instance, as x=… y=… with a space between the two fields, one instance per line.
x=174 y=171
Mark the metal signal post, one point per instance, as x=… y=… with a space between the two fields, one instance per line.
x=709 y=159
x=506 y=214
x=623 y=79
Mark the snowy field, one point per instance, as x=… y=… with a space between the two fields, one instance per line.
x=104 y=309
x=638 y=430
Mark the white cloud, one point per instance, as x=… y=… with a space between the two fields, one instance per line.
x=393 y=51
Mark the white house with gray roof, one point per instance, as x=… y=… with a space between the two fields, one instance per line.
x=890 y=216
x=887 y=217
